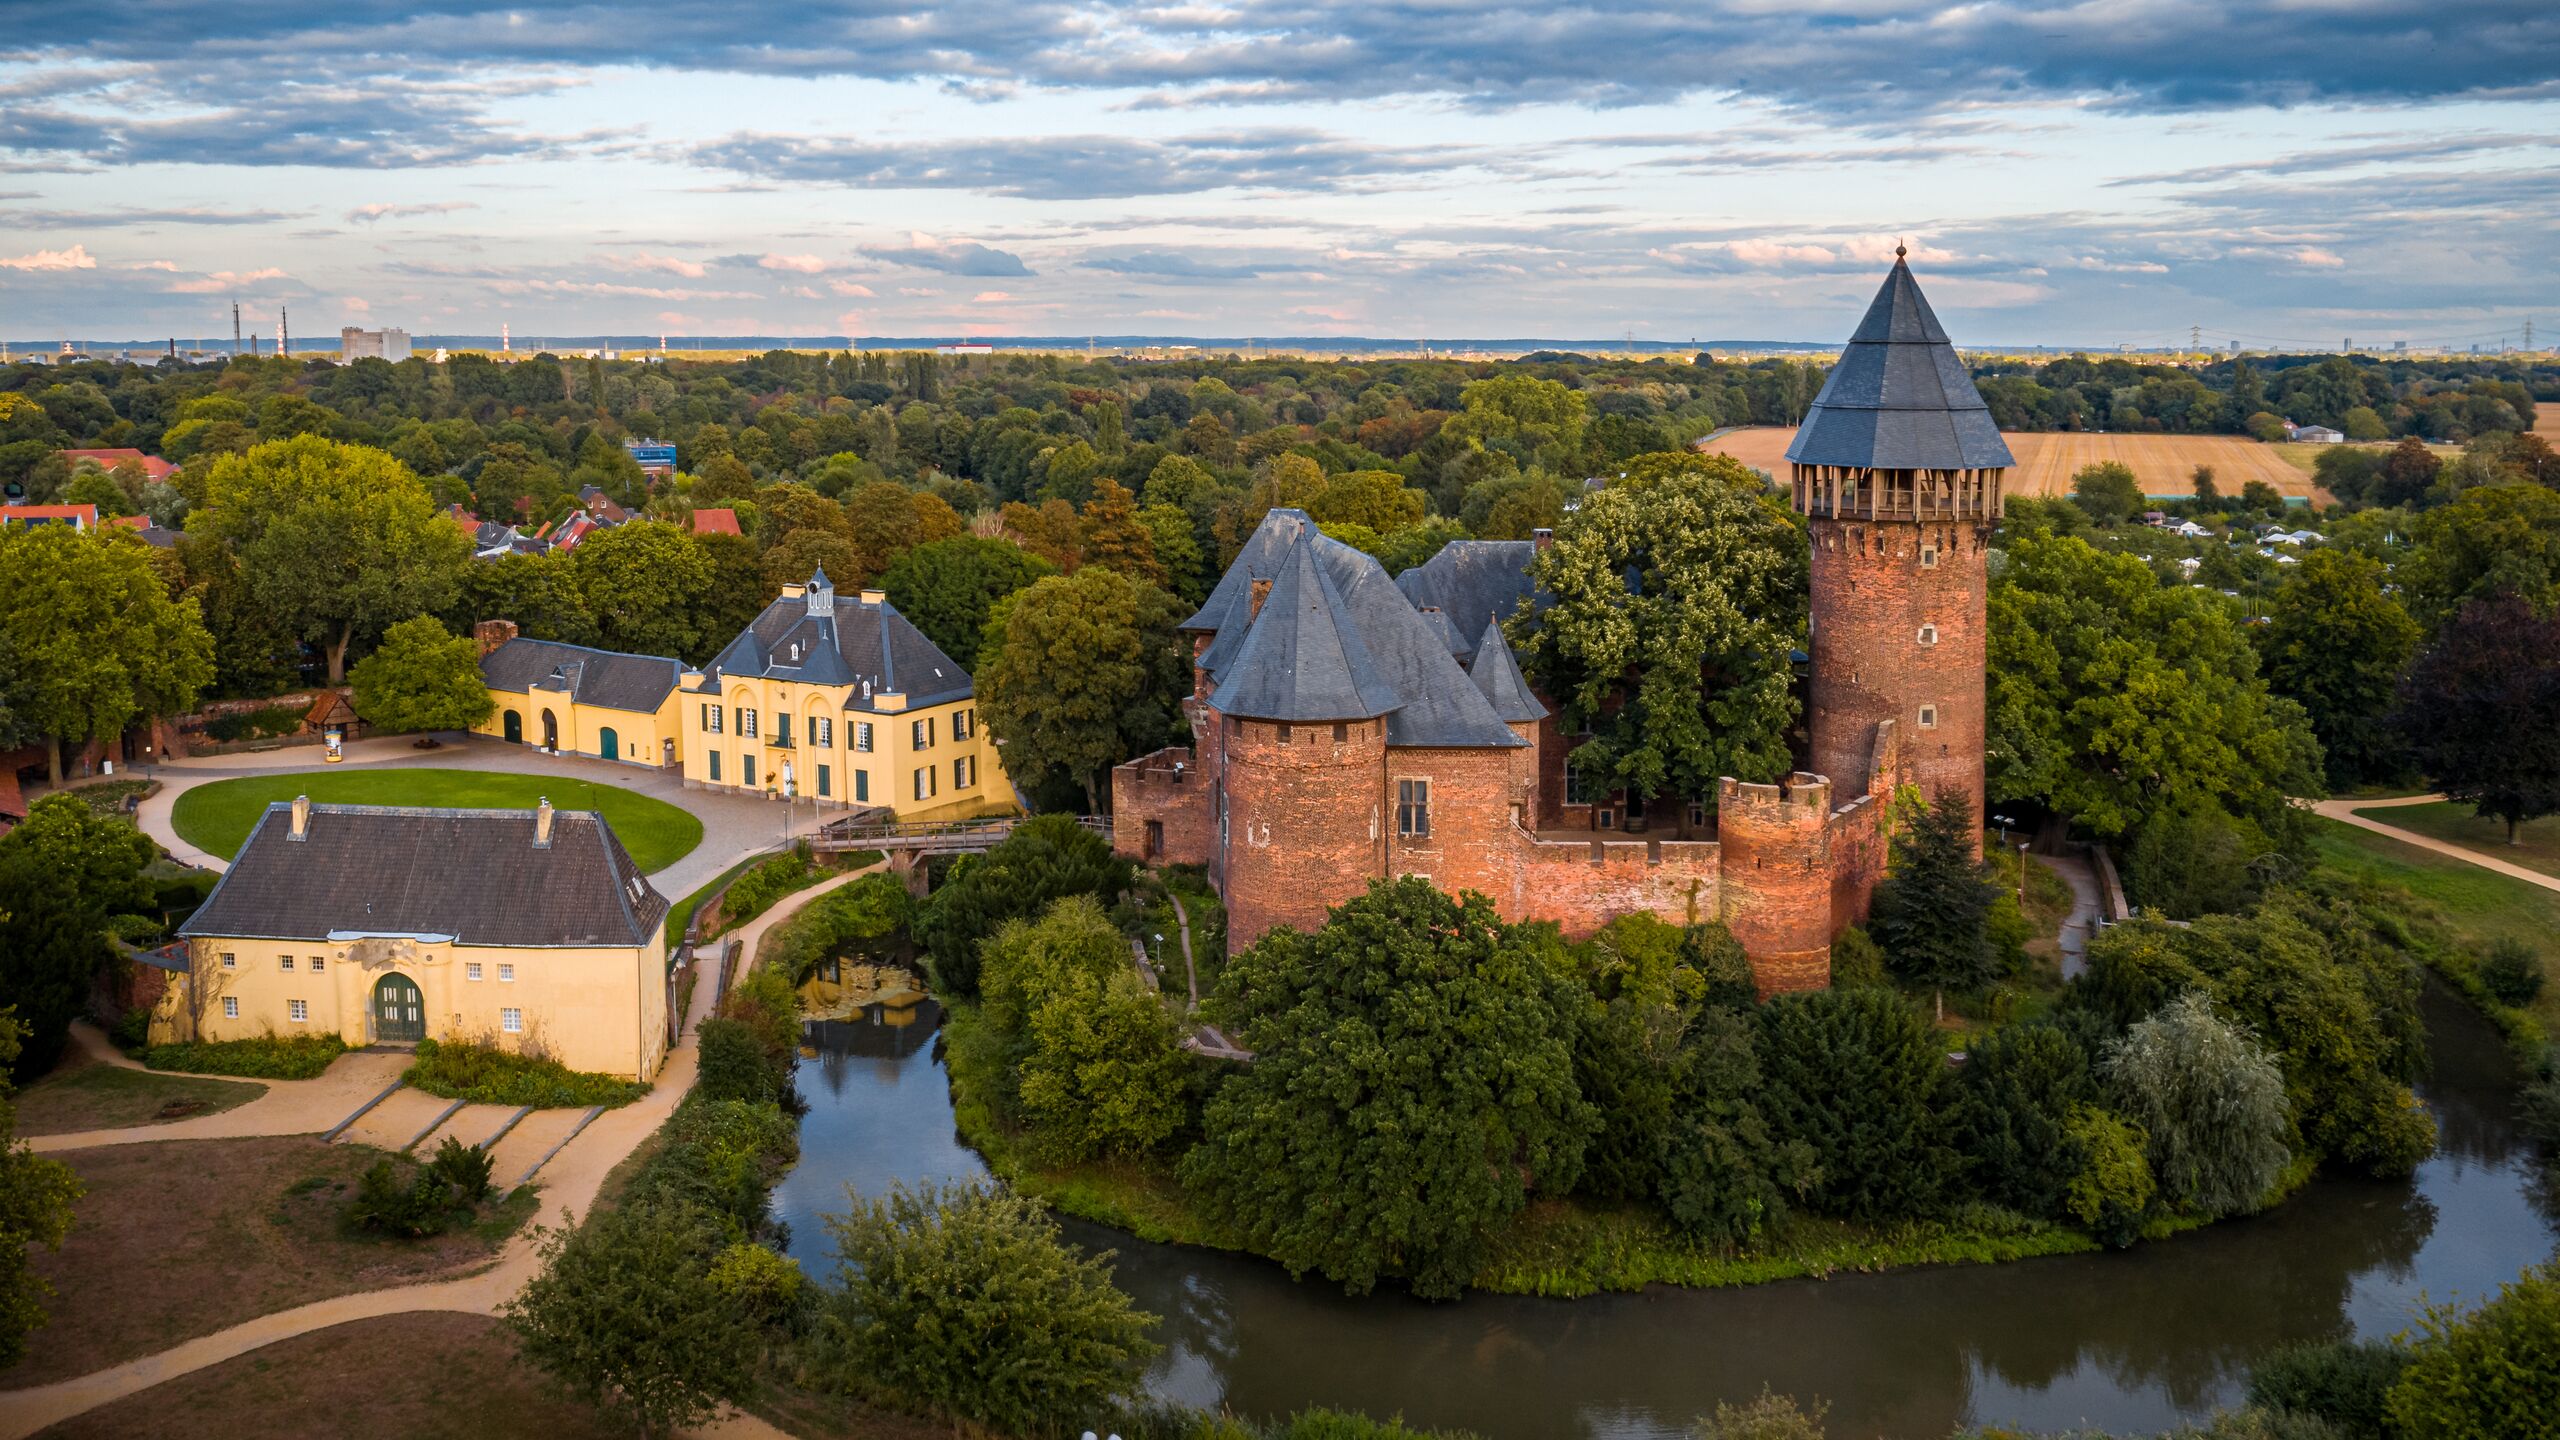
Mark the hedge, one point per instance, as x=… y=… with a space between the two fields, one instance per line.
x=486 y=1075
x=269 y=1057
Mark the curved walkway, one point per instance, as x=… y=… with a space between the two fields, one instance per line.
x=2344 y=811
x=2082 y=923
x=570 y=1184
x=290 y=1107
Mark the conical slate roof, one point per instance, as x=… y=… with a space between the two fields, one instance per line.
x=1899 y=399
x=1299 y=661
x=1497 y=674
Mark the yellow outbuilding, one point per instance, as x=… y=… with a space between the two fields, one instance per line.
x=573 y=700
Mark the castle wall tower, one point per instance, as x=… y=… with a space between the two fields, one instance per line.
x=1899 y=467
x=1775 y=888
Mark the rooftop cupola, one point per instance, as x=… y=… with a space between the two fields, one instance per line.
x=821 y=596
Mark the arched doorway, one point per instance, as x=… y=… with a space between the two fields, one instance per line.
x=399 y=1011
x=550 y=731
x=608 y=744
x=515 y=728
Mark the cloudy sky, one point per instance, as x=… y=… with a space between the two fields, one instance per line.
x=2101 y=172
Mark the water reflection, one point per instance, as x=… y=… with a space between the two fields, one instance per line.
x=2130 y=1340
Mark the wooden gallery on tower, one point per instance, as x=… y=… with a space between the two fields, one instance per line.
x=1349 y=727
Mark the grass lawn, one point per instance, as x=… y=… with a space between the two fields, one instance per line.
x=181 y=1238
x=435 y=1376
x=92 y=1096
x=2476 y=905
x=217 y=818
x=2448 y=821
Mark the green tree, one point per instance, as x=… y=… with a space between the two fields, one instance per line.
x=1932 y=912
x=1679 y=592
x=2211 y=1105
x=2480 y=709
x=1412 y=1077
x=2019 y=1085
x=645 y=585
x=1860 y=1078
x=538 y=592
x=1725 y=1175
x=2492 y=540
x=2335 y=642
x=965 y=1301
x=62 y=874
x=1098 y=1067
x=2495 y=1371
x=948 y=588
x=1113 y=536
x=1080 y=672
x=90 y=641
x=2192 y=858
x=1044 y=859
x=36 y=1198
x=626 y=1317
x=336 y=540
x=422 y=677
x=2107 y=491
x=1378 y=499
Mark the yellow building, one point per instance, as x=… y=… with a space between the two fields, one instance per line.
x=577 y=701
x=528 y=929
x=841 y=702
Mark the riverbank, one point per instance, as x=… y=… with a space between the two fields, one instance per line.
x=1555 y=1249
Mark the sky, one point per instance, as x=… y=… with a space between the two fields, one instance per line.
x=2096 y=173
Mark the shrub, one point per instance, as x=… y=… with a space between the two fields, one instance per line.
x=756 y=891
x=487 y=1075
x=1771 y=1417
x=866 y=919
x=409 y=1205
x=2194 y=859
x=2111 y=1194
x=762 y=1285
x=1857 y=962
x=2211 y=1103
x=465 y=1170
x=717 y=1157
x=965 y=1301
x=1860 y=1077
x=2019 y=1085
x=2343 y=1382
x=732 y=1063
x=2494 y=1372
x=2513 y=972
x=1046 y=858
x=267 y=1057
x=1098 y=1066
x=265 y=722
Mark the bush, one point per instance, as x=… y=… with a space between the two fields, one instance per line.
x=1045 y=859
x=1098 y=1066
x=865 y=920
x=2111 y=1195
x=965 y=1301
x=717 y=1157
x=394 y=1202
x=2020 y=1084
x=464 y=1169
x=756 y=891
x=1860 y=1077
x=2343 y=1382
x=733 y=1064
x=2513 y=972
x=486 y=1075
x=762 y=1285
x=1857 y=962
x=1771 y=1417
x=268 y=1057
x=2211 y=1103
x=2494 y=1372
x=2194 y=859
x=266 y=722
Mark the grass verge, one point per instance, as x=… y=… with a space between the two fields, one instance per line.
x=2537 y=847
x=110 y=1097
x=267 y=1057
x=2458 y=910
x=217 y=818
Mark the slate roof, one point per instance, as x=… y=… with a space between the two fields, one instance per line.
x=1473 y=582
x=475 y=875
x=608 y=678
x=1336 y=635
x=1900 y=398
x=819 y=637
x=1497 y=674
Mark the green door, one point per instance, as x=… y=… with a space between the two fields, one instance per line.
x=609 y=744
x=399 y=1011
x=515 y=728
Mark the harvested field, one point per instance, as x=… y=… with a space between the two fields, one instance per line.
x=2546 y=420
x=2164 y=464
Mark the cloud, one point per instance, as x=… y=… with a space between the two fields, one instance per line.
x=370 y=214
x=109 y=219
x=852 y=322
x=75 y=258
x=355 y=303
x=850 y=290
x=1085 y=167
x=953 y=257
x=663 y=264
x=991 y=297
x=796 y=264
x=674 y=320
x=1172 y=265
x=2310 y=257
x=222 y=280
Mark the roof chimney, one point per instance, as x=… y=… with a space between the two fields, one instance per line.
x=875 y=598
x=1261 y=592
x=1542 y=537
x=301 y=818
x=542 y=824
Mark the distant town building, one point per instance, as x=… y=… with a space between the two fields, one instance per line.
x=656 y=458
x=969 y=348
x=2313 y=434
x=153 y=467
x=355 y=345
x=78 y=517
x=719 y=520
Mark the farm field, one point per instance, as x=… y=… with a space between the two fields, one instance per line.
x=2164 y=464
x=2546 y=420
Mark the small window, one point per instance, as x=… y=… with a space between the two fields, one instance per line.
x=747 y=724
x=511 y=1020
x=506 y=974
x=1928 y=634
x=920 y=733
x=319 y=963
x=1928 y=557
x=960 y=773
x=471 y=970
x=964 y=723
x=298 y=1011
x=1341 y=732
x=1928 y=717
x=862 y=736
x=285 y=963
x=230 y=1007
x=1413 y=808
x=925 y=781
x=711 y=719
x=230 y=961
x=1608 y=819
x=822 y=732
x=1284 y=732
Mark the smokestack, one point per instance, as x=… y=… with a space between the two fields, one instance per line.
x=542 y=824
x=301 y=818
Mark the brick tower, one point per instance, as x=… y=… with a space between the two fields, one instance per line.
x=1899 y=467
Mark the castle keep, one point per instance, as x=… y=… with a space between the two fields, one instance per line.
x=1348 y=727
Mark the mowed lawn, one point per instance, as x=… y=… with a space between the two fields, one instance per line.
x=217 y=818
x=2540 y=839
x=2478 y=905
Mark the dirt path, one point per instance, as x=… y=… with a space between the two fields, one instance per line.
x=2082 y=922
x=569 y=1183
x=290 y=1107
x=2345 y=811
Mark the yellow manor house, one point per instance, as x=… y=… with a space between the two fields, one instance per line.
x=528 y=929
x=844 y=702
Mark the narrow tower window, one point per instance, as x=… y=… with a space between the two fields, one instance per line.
x=1928 y=717
x=1928 y=557
x=1928 y=634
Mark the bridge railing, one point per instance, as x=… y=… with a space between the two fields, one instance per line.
x=856 y=833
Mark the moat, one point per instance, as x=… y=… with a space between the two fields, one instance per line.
x=2131 y=1341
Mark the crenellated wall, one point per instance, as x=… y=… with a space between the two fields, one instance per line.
x=1304 y=826
x=1777 y=878
x=1584 y=884
x=1161 y=810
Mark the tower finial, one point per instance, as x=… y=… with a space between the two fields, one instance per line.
x=1898 y=251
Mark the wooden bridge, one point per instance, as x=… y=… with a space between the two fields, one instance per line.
x=877 y=829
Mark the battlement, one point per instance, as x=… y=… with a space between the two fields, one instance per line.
x=1160 y=809
x=1799 y=799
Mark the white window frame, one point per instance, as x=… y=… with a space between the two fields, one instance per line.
x=298 y=1011
x=506 y=974
x=230 y=961
x=746 y=723
x=862 y=737
x=319 y=963
x=230 y=1007
x=1928 y=717
x=511 y=1020
x=284 y=963
x=1928 y=634
x=471 y=970
x=711 y=719
x=1928 y=557
x=822 y=732
x=920 y=733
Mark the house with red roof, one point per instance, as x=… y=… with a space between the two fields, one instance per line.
x=83 y=518
x=718 y=521
x=153 y=467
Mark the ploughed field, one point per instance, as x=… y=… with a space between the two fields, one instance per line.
x=217 y=818
x=2164 y=464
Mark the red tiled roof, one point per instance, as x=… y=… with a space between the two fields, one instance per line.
x=719 y=521
x=153 y=467
x=87 y=515
x=130 y=522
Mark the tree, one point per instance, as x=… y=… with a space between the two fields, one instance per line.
x=2335 y=642
x=2208 y=495
x=889 y=520
x=1932 y=913
x=2494 y=1371
x=538 y=592
x=2210 y=1102
x=1679 y=592
x=625 y=1316
x=2019 y=1084
x=1858 y=1076
x=645 y=585
x=1080 y=672
x=1725 y=1175
x=62 y=874
x=1098 y=1067
x=36 y=1197
x=90 y=641
x=2480 y=710
x=1378 y=499
x=2107 y=491
x=423 y=677
x=337 y=540
x=2492 y=540
x=949 y=587
x=965 y=1301
x=1113 y=537
x=1045 y=858
x=2408 y=473
x=1412 y=1079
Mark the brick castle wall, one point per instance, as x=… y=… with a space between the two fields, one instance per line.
x=1171 y=793
x=1468 y=844
x=1304 y=821
x=1777 y=878
x=1582 y=885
